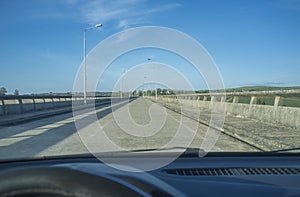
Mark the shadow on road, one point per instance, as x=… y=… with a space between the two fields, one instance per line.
x=34 y=144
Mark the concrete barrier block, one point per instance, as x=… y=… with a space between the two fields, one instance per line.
x=39 y=104
x=27 y=105
x=49 y=103
x=287 y=116
x=12 y=106
x=60 y=103
x=2 y=109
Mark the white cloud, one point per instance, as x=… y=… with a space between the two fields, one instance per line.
x=123 y=23
x=124 y=13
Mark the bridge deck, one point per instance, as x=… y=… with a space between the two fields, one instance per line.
x=57 y=135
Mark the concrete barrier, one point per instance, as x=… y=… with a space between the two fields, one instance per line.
x=287 y=116
x=49 y=103
x=2 y=108
x=39 y=104
x=275 y=114
x=27 y=105
x=11 y=105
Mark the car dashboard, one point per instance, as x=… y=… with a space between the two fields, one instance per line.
x=275 y=175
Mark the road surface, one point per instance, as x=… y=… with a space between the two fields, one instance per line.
x=58 y=135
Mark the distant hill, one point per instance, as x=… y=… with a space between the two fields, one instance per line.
x=260 y=88
x=249 y=89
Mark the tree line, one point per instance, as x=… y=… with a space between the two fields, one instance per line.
x=3 y=91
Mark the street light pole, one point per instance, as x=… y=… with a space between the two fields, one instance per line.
x=84 y=61
x=121 y=88
x=149 y=59
x=84 y=71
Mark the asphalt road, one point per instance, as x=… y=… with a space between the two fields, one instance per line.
x=140 y=124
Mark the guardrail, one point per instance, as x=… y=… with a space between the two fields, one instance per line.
x=10 y=104
x=254 y=95
x=273 y=112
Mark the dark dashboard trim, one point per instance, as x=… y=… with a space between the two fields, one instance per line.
x=79 y=157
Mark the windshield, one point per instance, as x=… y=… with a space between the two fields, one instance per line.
x=128 y=76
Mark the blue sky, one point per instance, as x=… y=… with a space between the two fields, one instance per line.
x=252 y=42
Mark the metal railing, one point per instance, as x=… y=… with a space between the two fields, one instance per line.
x=234 y=97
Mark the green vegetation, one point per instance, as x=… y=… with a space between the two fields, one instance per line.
x=3 y=91
x=16 y=92
x=269 y=100
x=260 y=88
x=291 y=101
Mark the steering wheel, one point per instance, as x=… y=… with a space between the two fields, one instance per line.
x=58 y=182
